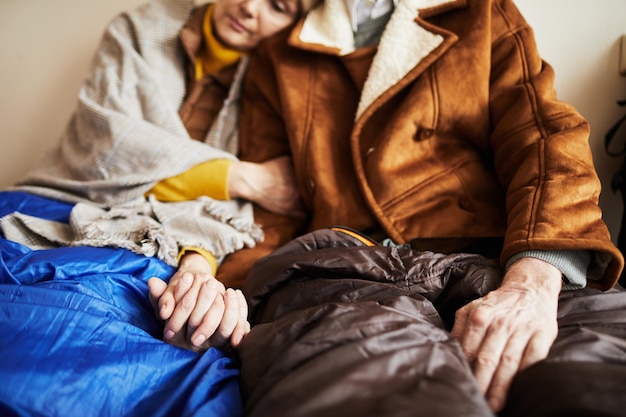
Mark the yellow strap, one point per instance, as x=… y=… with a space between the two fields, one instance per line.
x=361 y=237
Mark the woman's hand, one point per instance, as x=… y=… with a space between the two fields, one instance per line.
x=197 y=310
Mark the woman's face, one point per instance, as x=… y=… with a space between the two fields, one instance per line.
x=242 y=24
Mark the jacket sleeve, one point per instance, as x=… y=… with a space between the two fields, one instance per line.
x=262 y=136
x=542 y=155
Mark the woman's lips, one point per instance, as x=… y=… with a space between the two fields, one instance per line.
x=237 y=26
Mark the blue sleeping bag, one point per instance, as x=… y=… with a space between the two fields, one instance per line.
x=78 y=336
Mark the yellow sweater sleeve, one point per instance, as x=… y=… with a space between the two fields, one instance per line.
x=208 y=178
x=205 y=254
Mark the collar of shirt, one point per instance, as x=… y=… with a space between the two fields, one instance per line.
x=363 y=10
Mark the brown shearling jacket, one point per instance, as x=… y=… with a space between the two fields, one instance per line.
x=449 y=130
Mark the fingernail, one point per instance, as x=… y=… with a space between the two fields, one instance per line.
x=198 y=340
x=169 y=334
x=236 y=340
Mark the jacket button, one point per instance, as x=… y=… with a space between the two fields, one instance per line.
x=369 y=151
x=465 y=203
x=311 y=185
x=426 y=133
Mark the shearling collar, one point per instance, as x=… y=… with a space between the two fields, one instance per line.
x=329 y=24
x=402 y=47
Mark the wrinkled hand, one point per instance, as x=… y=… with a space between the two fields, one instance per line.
x=197 y=310
x=271 y=185
x=510 y=328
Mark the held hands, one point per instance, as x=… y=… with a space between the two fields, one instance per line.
x=510 y=328
x=270 y=184
x=197 y=310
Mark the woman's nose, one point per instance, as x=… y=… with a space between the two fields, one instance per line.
x=250 y=7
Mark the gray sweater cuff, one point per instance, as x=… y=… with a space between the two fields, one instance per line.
x=572 y=264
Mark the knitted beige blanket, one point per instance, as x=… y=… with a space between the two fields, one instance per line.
x=124 y=137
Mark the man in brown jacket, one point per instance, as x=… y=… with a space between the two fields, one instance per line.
x=435 y=123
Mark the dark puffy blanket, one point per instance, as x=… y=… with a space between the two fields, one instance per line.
x=344 y=327
x=78 y=336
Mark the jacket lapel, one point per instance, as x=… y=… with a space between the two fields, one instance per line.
x=328 y=26
x=404 y=44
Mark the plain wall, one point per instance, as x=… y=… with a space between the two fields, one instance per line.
x=46 y=47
